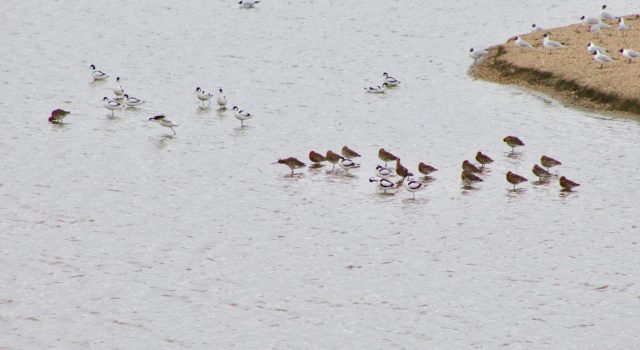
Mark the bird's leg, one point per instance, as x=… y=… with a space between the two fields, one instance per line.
x=174 y=132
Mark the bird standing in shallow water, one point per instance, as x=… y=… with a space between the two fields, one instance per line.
x=98 y=74
x=348 y=164
x=57 y=115
x=426 y=169
x=549 y=162
x=386 y=156
x=376 y=89
x=247 y=4
x=117 y=89
x=111 y=105
x=349 y=153
x=384 y=184
x=316 y=158
x=413 y=186
x=383 y=172
x=389 y=80
x=333 y=158
x=162 y=120
x=468 y=167
x=513 y=142
x=131 y=101
x=483 y=159
x=221 y=100
x=401 y=170
x=515 y=179
x=292 y=163
x=469 y=178
x=203 y=96
x=241 y=115
x=540 y=172
x=567 y=184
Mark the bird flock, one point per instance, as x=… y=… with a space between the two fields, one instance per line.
x=384 y=175
x=122 y=100
x=596 y=24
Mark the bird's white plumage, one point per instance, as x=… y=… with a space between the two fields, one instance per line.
x=595 y=28
x=383 y=184
x=98 y=74
x=384 y=173
x=247 y=4
x=589 y=20
x=131 y=101
x=604 y=15
x=112 y=105
x=117 y=88
x=522 y=43
x=376 y=89
x=348 y=164
x=630 y=54
x=591 y=48
x=221 y=100
x=601 y=57
x=550 y=44
x=621 y=25
x=389 y=80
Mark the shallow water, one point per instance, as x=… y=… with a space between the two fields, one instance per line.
x=117 y=236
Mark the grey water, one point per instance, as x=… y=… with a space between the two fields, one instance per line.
x=116 y=235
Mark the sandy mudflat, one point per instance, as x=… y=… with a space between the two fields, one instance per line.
x=570 y=73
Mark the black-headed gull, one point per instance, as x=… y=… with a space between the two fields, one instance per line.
x=98 y=74
x=604 y=15
x=589 y=20
x=595 y=28
x=623 y=27
x=602 y=58
x=548 y=43
x=162 y=120
x=630 y=54
x=521 y=43
x=536 y=28
x=591 y=48
x=477 y=54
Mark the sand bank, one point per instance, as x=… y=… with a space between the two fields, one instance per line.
x=571 y=74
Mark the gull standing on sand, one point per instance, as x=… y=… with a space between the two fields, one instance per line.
x=162 y=120
x=589 y=20
x=596 y=28
x=604 y=15
x=622 y=27
x=98 y=74
x=591 y=48
x=602 y=58
x=476 y=54
x=548 y=43
x=111 y=105
x=630 y=54
x=522 y=44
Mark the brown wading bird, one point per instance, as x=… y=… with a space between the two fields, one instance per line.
x=292 y=163
x=316 y=157
x=426 y=169
x=349 y=153
x=386 y=156
x=401 y=170
x=468 y=167
x=549 y=162
x=513 y=142
x=57 y=115
x=567 y=184
x=515 y=179
x=483 y=159
x=333 y=158
x=469 y=178
x=540 y=172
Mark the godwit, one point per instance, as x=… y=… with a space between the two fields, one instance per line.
x=540 y=172
x=483 y=159
x=567 y=184
x=549 y=162
x=316 y=157
x=386 y=156
x=292 y=163
x=333 y=158
x=469 y=178
x=515 y=179
x=349 y=153
x=513 y=142
x=468 y=167
x=426 y=169
x=401 y=170
x=57 y=115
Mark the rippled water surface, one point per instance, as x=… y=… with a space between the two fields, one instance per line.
x=116 y=236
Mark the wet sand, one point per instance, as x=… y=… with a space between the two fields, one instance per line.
x=571 y=74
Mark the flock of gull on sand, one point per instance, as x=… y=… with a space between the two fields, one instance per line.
x=384 y=174
x=469 y=175
x=595 y=24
